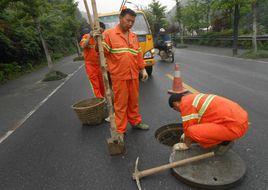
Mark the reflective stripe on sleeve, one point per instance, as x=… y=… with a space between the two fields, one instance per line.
x=205 y=106
x=83 y=40
x=197 y=99
x=190 y=117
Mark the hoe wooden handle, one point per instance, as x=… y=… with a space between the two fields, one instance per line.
x=158 y=169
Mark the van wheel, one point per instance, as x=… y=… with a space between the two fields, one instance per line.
x=149 y=70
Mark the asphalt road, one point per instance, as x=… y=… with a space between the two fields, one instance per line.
x=51 y=150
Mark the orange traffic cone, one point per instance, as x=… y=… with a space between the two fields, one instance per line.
x=177 y=82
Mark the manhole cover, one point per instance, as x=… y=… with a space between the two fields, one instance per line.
x=219 y=172
x=169 y=134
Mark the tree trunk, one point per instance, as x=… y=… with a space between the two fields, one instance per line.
x=254 y=25
x=182 y=33
x=179 y=20
x=208 y=15
x=44 y=44
x=77 y=47
x=236 y=25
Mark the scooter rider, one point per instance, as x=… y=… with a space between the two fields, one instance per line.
x=161 y=40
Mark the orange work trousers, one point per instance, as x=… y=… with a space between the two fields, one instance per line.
x=96 y=83
x=126 y=103
x=95 y=78
x=211 y=134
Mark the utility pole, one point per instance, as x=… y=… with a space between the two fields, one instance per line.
x=236 y=26
x=254 y=27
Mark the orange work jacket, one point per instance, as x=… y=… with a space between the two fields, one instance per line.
x=90 y=54
x=209 y=108
x=123 y=56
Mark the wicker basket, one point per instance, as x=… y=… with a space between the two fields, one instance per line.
x=91 y=111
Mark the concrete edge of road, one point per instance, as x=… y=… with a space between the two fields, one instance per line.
x=226 y=56
x=24 y=119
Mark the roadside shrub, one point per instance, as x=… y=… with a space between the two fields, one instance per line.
x=263 y=45
x=57 y=56
x=9 y=71
x=251 y=55
x=2 y=77
x=78 y=58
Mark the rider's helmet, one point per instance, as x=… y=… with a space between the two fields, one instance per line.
x=162 y=30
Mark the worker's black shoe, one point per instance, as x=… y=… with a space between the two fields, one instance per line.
x=223 y=147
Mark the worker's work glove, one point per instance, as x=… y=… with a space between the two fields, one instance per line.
x=180 y=147
x=144 y=75
x=96 y=33
x=90 y=34
x=182 y=139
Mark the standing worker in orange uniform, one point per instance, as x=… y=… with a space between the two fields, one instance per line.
x=92 y=63
x=208 y=119
x=125 y=61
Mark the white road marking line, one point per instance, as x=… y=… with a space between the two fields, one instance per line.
x=5 y=136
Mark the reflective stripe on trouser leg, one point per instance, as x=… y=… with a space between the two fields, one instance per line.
x=101 y=85
x=96 y=86
x=91 y=86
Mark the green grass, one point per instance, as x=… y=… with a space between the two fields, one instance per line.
x=251 y=55
x=6 y=76
x=181 y=46
x=54 y=75
x=12 y=71
x=79 y=58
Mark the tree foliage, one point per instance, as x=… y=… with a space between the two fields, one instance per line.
x=193 y=15
x=262 y=17
x=19 y=40
x=198 y=14
x=156 y=15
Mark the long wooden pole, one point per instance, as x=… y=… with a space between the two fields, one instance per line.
x=88 y=15
x=122 y=5
x=104 y=71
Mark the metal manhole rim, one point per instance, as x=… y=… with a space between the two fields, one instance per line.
x=169 y=128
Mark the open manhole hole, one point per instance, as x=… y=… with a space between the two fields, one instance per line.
x=169 y=134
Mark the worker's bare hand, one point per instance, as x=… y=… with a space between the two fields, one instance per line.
x=144 y=75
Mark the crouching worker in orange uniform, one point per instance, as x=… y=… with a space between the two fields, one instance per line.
x=208 y=120
x=125 y=61
x=92 y=64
